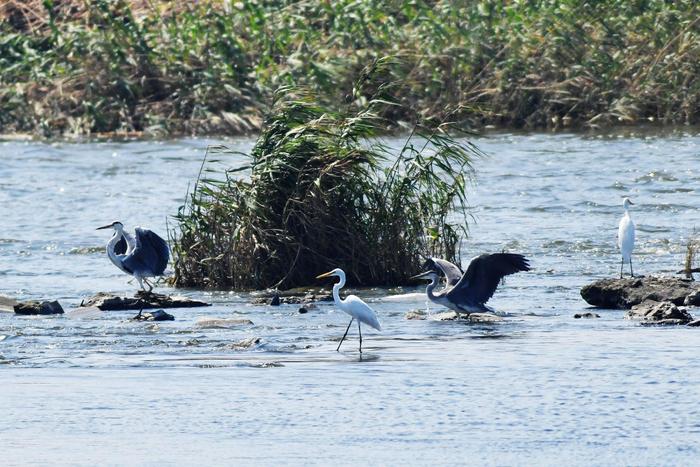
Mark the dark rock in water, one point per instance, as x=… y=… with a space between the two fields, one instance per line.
x=291 y=297
x=653 y=312
x=695 y=323
x=629 y=291
x=303 y=310
x=38 y=308
x=158 y=315
x=586 y=315
x=141 y=301
x=693 y=299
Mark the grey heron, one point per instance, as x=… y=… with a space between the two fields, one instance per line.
x=352 y=305
x=143 y=255
x=468 y=292
x=625 y=236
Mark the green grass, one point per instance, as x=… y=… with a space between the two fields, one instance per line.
x=323 y=192
x=79 y=67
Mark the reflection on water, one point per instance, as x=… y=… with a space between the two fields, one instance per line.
x=265 y=384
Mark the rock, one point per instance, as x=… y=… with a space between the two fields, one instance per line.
x=291 y=297
x=415 y=314
x=140 y=301
x=7 y=304
x=692 y=299
x=38 y=308
x=627 y=292
x=245 y=343
x=275 y=300
x=653 y=312
x=695 y=323
x=222 y=322
x=303 y=309
x=474 y=317
x=158 y=315
x=586 y=315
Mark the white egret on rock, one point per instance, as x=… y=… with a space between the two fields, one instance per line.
x=468 y=292
x=352 y=305
x=143 y=255
x=625 y=236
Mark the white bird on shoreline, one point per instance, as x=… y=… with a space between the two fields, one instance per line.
x=144 y=256
x=625 y=236
x=352 y=305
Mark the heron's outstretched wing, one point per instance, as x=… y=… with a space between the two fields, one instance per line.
x=451 y=271
x=150 y=255
x=484 y=273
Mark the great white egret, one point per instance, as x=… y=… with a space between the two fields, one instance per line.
x=145 y=255
x=352 y=305
x=625 y=236
x=469 y=292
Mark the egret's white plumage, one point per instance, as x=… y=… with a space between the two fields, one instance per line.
x=352 y=305
x=625 y=236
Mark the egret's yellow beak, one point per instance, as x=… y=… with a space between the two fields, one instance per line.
x=325 y=274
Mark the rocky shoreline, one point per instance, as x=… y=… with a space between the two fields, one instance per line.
x=652 y=300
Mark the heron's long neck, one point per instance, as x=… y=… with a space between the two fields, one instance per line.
x=336 y=289
x=429 y=290
x=110 y=249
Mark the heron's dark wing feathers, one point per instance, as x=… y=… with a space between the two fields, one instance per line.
x=120 y=247
x=150 y=256
x=452 y=273
x=483 y=275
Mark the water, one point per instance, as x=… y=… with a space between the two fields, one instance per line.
x=539 y=388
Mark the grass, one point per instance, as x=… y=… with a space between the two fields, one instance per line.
x=322 y=192
x=153 y=67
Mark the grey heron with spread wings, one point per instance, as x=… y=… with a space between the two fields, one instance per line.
x=143 y=255
x=468 y=292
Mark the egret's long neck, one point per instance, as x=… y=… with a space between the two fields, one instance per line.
x=337 y=286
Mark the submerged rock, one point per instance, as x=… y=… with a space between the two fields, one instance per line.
x=245 y=343
x=142 y=300
x=653 y=312
x=694 y=323
x=629 y=291
x=586 y=315
x=222 y=322
x=38 y=308
x=158 y=315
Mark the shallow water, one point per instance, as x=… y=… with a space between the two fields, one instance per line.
x=541 y=387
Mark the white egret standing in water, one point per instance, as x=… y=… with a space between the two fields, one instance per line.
x=144 y=256
x=469 y=292
x=352 y=305
x=625 y=236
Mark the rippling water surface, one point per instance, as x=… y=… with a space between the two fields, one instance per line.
x=540 y=387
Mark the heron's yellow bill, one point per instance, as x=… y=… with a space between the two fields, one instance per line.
x=325 y=274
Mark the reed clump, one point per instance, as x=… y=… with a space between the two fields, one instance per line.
x=81 y=67
x=319 y=192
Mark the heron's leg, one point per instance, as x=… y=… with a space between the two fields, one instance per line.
x=150 y=286
x=631 y=272
x=140 y=283
x=346 y=333
x=359 y=328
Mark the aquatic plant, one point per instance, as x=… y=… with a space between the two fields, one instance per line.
x=321 y=192
x=158 y=67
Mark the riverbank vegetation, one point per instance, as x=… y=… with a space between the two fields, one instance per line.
x=76 y=67
x=320 y=192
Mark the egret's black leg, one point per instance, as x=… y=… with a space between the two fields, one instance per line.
x=346 y=333
x=631 y=272
x=622 y=264
x=359 y=328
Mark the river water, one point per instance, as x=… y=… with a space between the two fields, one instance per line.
x=538 y=388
